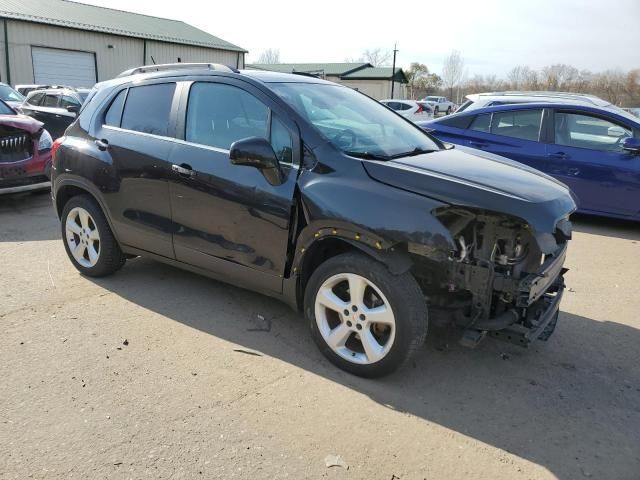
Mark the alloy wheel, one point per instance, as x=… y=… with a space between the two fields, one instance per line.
x=82 y=237
x=354 y=318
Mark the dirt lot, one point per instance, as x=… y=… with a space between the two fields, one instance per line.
x=205 y=388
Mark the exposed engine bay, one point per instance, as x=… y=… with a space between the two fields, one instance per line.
x=497 y=281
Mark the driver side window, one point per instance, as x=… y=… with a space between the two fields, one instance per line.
x=590 y=132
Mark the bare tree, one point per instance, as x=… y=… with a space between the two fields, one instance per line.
x=558 y=77
x=415 y=74
x=452 y=71
x=269 y=56
x=522 y=77
x=377 y=57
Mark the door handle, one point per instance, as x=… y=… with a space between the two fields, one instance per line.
x=573 y=172
x=184 y=170
x=102 y=144
x=473 y=143
x=558 y=155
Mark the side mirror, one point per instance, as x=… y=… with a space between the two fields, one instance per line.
x=631 y=145
x=73 y=109
x=258 y=153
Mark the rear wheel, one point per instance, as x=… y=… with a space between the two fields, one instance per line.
x=88 y=240
x=364 y=319
x=449 y=111
x=436 y=111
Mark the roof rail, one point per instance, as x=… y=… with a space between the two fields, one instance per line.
x=175 y=66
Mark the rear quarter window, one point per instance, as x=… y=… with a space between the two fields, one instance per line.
x=148 y=109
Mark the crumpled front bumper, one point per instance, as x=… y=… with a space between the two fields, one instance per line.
x=541 y=317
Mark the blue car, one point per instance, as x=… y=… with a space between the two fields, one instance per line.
x=596 y=152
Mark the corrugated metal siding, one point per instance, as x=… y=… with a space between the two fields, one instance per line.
x=126 y=53
x=170 y=52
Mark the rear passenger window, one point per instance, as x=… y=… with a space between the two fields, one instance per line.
x=523 y=124
x=50 y=101
x=218 y=115
x=481 y=123
x=114 y=114
x=148 y=109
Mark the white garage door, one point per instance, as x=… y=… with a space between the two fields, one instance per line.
x=63 y=67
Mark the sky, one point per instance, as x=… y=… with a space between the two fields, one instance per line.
x=492 y=35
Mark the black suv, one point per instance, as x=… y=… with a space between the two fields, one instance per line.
x=315 y=194
x=55 y=107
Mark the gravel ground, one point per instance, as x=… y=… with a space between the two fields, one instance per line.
x=158 y=373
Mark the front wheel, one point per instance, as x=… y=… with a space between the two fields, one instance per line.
x=449 y=111
x=364 y=319
x=88 y=240
x=436 y=112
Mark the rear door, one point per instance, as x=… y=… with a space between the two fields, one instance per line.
x=586 y=153
x=514 y=133
x=137 y=132
x=228 y=218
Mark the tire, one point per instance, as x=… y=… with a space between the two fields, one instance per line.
x=436 y=111
x=363 y=346
x=449 y=111
x=88 y=239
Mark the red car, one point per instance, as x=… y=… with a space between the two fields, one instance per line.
x=25 y=152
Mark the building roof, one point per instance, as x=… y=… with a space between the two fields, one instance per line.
x=65 y=13
x=376 y=73
x=336 y=69
x=346 y=71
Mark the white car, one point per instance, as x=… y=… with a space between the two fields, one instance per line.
x=440 y=104
x=481 y=100
x=413 y=110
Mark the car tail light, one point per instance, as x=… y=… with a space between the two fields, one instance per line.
x=54 y=149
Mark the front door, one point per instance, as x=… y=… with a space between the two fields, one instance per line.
x=587 y=155
x=229 y=219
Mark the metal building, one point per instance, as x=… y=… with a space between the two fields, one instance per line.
x=67 y=43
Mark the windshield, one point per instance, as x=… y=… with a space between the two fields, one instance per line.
x=9 y=94
x=6 y=109
x=432 y=99
x=354 y=123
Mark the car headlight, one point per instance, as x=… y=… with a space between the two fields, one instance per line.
x=45 y=142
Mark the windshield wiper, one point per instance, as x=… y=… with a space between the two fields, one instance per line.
x=411 y=153
x=368 y=155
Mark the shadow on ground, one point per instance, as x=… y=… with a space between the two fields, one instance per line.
x=571 y=405
x=609 y=227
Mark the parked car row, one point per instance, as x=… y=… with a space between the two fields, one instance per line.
x=55 y=107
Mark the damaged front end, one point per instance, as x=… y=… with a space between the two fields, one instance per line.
x=501 y=280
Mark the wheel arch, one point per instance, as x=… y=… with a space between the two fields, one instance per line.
x=316 y=244
x=67 y=188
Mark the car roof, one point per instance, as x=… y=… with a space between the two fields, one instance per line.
x=580 y=97
x=558 y=105
x=259 y=76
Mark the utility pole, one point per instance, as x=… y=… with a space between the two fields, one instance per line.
x=393 y=69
